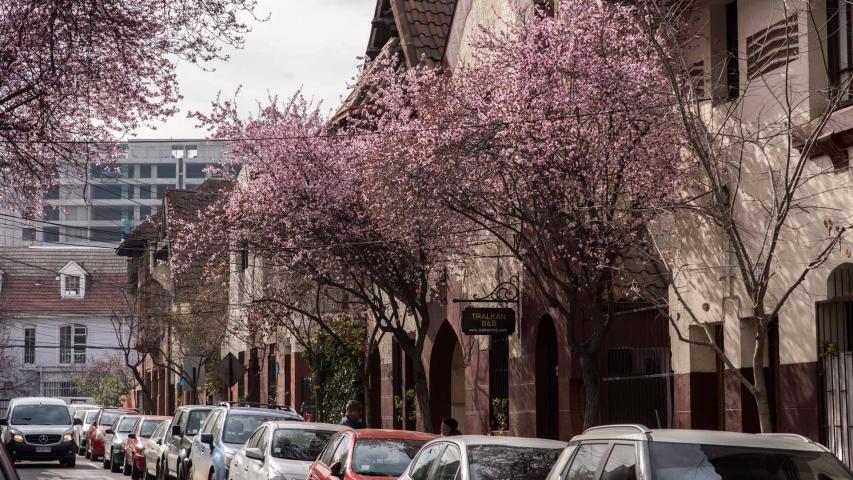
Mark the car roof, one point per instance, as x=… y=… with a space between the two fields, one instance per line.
x=284 y=414
x=706 y=437
x=39 y=401
x=155 y=417
x=196 y=407
x=297 y=425
x=392 y=434
x=120 y=410
x=523 y=442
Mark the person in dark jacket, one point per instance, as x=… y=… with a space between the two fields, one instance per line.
x=354 y=415
x=450 y=427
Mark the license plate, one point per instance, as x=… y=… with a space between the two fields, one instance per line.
x=42 y=449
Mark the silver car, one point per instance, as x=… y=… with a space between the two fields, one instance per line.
x=82 y=428
x=114 y=440
x=476 y=457
x=154 y=451
x=634 y=451
x=281 y=450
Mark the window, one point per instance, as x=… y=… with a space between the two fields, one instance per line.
x=839 y=16
x=422 y=465
x=196 y=418
x=585 y=464
x=30 y=345
x=166 y=170
x=161 y=190
x=386 y=457
x=622 y=464
x=106 y=234
x=146 y=191
x=59 y=389
x=109 y=192
x=177 y=151
x=72 y=344
x=263 y=441
x=50 y=234
x=341 y=454
x=146 y=430
x=50 y=213
x=326 y=456
x=196 y=170
x=28 y=234
x=210 y=422
x=126 y=424
x=297 y=444
x=72 y=286
x=192 y=151
x=144 y=170
x=499 y=381
x=448 y=465
x=144 y=212
x=255 y=439
x=111 y=213
x=52 y=193
x=732 y=63
x=239 y=427
x=244 y=258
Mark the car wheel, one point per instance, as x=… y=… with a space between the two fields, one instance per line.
x=107 y=459
x=69 y=462
x=114 y=465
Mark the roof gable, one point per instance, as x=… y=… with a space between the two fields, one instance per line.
x=72 y=268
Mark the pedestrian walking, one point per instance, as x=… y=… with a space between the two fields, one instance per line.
x=449 y=427
x=354 y=416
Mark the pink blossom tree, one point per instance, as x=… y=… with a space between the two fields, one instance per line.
x=304 y=205
x=557 y=139
x=74 y=71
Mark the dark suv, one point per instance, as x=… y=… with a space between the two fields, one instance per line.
x=178 y=441
x=40 y=429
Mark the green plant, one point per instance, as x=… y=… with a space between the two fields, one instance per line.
x=336 y=374
x=500 y=414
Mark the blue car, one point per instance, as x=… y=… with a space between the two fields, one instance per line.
x=224 y=432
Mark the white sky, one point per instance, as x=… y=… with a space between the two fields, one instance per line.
x=308 y=44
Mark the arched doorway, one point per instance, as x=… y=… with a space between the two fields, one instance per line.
x=547 y=385
x=447 y=363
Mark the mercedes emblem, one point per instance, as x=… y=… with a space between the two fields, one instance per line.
x=43 y=439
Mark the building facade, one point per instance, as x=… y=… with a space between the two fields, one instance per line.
x=97 y=205
x=57 y=307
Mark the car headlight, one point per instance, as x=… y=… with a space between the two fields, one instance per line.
x=66 y=437
x=18 y=438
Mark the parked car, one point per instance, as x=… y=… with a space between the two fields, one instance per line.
x=39 y=429
x=81 y=430
x=477 y=457
x=7 y=466
x=224 y=432
x=378 y=454
x=626 y=452
x=75 y=408
x=184 y=427
x=98 y=430
x=134 y=461
x=281 y=450
x=114 y=440
x=154 y=451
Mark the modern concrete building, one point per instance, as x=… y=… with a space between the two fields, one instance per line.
x=98 y=205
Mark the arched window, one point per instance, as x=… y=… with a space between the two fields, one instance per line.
x=72 y=344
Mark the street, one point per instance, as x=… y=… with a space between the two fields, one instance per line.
x=85 y=469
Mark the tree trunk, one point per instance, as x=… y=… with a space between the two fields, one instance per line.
x=762 y=401
x=592 y=389
x=422 y=394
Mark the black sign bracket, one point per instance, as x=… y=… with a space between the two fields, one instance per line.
x=504 y=292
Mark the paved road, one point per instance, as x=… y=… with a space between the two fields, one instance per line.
x=85 y=470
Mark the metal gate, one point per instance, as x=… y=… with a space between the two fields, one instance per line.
x=835 y=347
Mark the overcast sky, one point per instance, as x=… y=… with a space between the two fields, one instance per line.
x=308 y=44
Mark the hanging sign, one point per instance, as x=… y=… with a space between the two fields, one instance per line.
x=488 y=321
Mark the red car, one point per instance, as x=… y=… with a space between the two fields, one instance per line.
x=367 y=455
x=134 y=460
x=102 y=422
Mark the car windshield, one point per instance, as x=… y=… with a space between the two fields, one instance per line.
x=196 y=419
x=671 y=461
x=126 y=425
x=40 y=415
x=298 y=444
x=148 y=427
x=384 y=457
x=90 y=415
x=238 y=428
x=488 y=462
x=107 y=418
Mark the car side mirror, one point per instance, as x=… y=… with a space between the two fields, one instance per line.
x=255 y=454
x=78 y=421
x=336 y=469
x=206 y=438
x=109 y=431
x=176 y=430
x=131 y=435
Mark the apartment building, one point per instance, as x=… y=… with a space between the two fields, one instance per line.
x=98 y=205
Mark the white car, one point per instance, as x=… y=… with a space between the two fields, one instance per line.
x=628 y=452
x=477 y=457
x=281 y=450
x=86 y=417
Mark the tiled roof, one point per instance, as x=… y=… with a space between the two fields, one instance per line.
x=424 y=27
x=31 y=283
